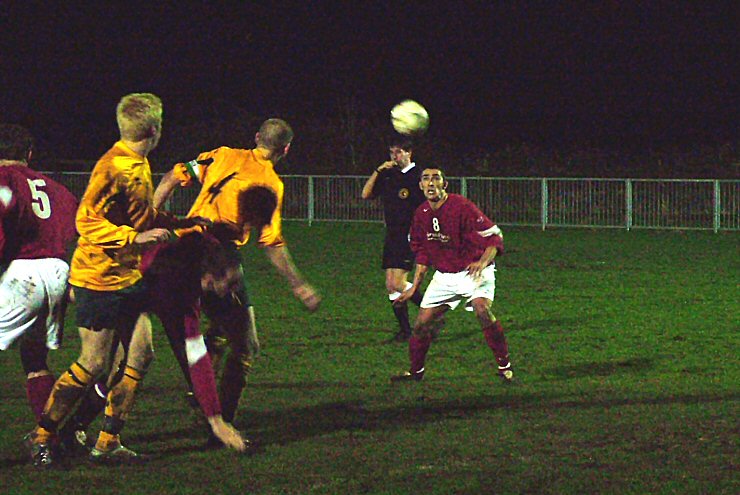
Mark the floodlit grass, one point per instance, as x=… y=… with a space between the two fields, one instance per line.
x=625 y=347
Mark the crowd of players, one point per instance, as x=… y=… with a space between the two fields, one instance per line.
x=133 y=259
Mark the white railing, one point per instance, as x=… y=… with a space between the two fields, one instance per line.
x=542 y=202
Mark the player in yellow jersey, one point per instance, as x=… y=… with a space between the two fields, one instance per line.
x=222 y=174
x=115 y=219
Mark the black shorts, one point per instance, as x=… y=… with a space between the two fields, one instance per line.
x=397 y=251
x=117 y=309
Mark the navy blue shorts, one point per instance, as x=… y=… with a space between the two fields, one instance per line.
x=114 y=310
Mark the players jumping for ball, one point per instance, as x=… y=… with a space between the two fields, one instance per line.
x=223 y=174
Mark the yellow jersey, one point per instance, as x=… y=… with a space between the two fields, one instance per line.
x=223 y=173
x=117 y=205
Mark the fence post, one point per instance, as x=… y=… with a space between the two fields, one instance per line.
x=717 y=206
x=464 y=187
x=310 y=200
x=545 y=204
x=628 y=202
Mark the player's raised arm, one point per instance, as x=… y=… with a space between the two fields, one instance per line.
x=368 y=190
x=165 y=189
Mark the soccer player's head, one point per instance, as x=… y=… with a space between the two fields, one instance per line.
x=434 y=184
x=275 y=135
x=256 y=206
x=221 y=269
x=139 y=117
x=16 y=143
x=400 y=150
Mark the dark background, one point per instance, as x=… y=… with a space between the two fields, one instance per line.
x=625 y=79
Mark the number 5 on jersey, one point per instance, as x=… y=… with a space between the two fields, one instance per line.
x=40 y=200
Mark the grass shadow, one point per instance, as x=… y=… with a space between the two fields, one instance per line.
x=286 y=426
x=625 y=366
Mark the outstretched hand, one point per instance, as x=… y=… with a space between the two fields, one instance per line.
x=228 y=435
x=476 y=268
x=308 y=296
x=201 y=221
x=152 y=236
x=405 y=296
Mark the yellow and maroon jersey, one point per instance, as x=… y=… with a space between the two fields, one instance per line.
x=223 y=173
x=115 y=207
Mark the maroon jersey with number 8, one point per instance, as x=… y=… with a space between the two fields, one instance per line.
x=37 y=215
x=453 y=236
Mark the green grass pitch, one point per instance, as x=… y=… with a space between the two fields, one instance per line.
x=624 y=344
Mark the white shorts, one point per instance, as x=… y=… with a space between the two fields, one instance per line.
x=451 y=288
x=32 y=293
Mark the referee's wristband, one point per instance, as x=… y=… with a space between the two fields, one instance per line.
x=377 y=170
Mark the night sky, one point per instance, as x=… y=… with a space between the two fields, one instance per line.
x=600 y=73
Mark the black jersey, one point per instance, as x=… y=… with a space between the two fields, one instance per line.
x=401 y=195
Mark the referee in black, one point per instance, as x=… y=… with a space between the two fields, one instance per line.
x=396 y=183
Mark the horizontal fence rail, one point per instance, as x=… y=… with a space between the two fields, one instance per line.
x=519 y=201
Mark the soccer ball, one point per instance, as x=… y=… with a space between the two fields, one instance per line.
x=409 y=118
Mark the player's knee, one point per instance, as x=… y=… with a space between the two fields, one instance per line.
x=422 y=330
x=96 y=365
x=482 y=307
x=140 y=356
x=146 y=357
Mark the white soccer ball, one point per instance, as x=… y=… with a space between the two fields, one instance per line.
x=409 y=117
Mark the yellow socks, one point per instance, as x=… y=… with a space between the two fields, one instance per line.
x=119 y=404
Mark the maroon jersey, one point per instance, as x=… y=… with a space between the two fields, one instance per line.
x=37 y=215
x=453 y=236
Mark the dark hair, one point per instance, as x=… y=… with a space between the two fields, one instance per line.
x=441 y=172
x=217 y=256
x=402 y=142
x=15 y=142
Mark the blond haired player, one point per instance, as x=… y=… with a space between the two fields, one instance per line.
x=115 y=218
x=222 y=174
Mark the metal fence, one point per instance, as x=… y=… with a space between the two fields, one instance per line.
x=543 y=202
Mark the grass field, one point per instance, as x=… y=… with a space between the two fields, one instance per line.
x=625 y=347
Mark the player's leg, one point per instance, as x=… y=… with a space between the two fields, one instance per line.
x=494 y=334
x=480 y=301
x=27 y=308
x=420 y=341
x=441 y=295
x=39 y=379
x=233 y=320
x=243 y=350
x=396 y=281
x=203 y=380
x=67 y=390
x=120 y=400
x=73 y=434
